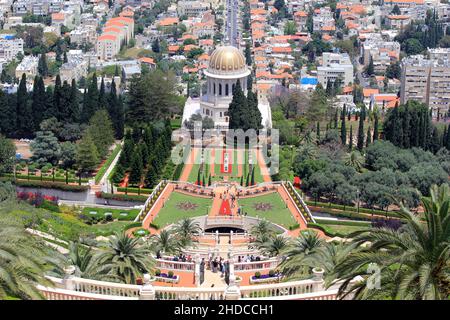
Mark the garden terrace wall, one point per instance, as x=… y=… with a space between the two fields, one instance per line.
x=60 y=194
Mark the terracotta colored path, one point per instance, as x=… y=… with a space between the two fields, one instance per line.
x=190 y=163
x=262 y=165
x=157 y=206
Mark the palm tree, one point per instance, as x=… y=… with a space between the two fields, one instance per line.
x=274 y=246
x=86 y=262
x=262 y=231
x=414 y=261
x=126 y=258
x=299 y=254
x=165 y=243
x=186 y=229
x=23 y=262
x=355 y=160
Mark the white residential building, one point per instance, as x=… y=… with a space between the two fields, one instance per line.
x=9 y=48
x=28 y=65
x=334 y=66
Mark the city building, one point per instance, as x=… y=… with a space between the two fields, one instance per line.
x=334 y=66
x=427 y=80
x=28 y=65
x=9 y=48
x=192 y=8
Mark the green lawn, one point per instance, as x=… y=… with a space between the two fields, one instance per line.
x=171 y=213
x=109 y=228
x=278 y=213
x=345 y=230
x=120 y=214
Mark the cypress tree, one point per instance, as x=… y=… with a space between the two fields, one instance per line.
x=57 y=98
x=8 y=114
x=336 y=117
x=247 y=181
x=23 y=110
x=360 y=143
x=42 y=66
x=253 y=177
x=65 y=112
x=136 y=168
x=74 y=106
x=120 y=119
x=242 y=181
x=198 y=177
x=350 y=142
x=375 y=126
x=237 y=110
x=447 y=140
x=87 y=154
x=318 y=131
x=368 y=138
x=254 y=118
x=39 y=101
x=343 y=127
x=203 y=180
x=102 y=99
x=91 y=102
x=209 y=180
x=151 y=177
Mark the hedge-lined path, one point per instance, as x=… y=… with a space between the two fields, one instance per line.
x=157 y=206
x=297 y=215
x=263 y=167
x=189 y=165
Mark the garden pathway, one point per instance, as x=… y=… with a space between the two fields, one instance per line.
x=189 y=164
x=262 y=164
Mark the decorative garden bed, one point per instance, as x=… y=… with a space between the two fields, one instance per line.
x=166 y=277
x=272 y=276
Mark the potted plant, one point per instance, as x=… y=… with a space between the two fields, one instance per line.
x=157 y=272
x=170 y=274
x=257 y=274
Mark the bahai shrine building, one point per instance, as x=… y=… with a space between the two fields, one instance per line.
x=226 y=66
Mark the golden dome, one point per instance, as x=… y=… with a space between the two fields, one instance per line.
x=227 y=59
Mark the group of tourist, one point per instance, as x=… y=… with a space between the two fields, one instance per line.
x=249 y=258
x=181 y=257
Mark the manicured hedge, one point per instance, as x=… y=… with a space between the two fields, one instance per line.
x=46 y=178
x=105 y=166
x=52 y=185
x=326 y=230
x=343 y=222
x=121 y=197
x=351 y=209
x=135 y=190
x=294 y=226
x=133 y=225
x=177 y=172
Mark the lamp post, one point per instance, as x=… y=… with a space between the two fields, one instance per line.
x=357 y=195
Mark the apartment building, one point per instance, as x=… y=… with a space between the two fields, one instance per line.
x=84 y=34
x=117 y=31
x=192 y=8
x=427 y=80
x=334 y=66
x=9 y=48
x=382 y=53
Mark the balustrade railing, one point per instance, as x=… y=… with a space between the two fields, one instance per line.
x=278 y=289
x=256 y=265
x=150 y=201
x=175 y=265
x=299 y=202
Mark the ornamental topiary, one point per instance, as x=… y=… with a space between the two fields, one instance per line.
x=157 y=272
x=170 y=274
x=257 y=274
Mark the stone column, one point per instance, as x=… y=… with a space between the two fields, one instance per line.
x=318 y=279
x=68 y=278
x=231 y=237
x=217 y=237
x=147 y=291
x=198 y=260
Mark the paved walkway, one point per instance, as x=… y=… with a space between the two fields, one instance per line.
x=262 y=164
x=190 y=163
